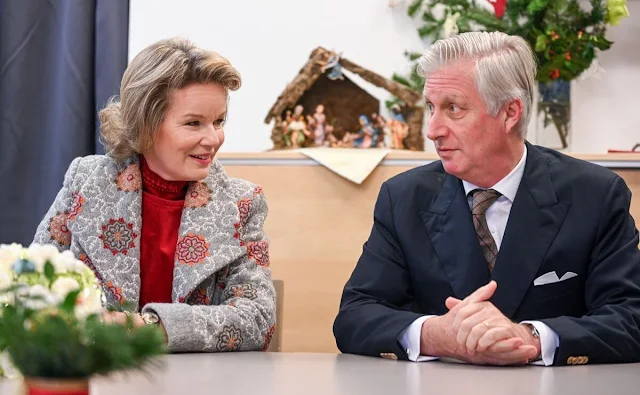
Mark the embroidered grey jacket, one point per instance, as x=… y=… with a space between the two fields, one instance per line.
x=223 y=297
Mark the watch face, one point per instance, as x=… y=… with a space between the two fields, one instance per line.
x=534 y=331
x=150 y=318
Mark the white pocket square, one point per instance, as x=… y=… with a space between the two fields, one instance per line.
x=552 y=277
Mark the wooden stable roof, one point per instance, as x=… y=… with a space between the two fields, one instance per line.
x=314 y=68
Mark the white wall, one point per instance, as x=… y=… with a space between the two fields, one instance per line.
x=269 y=41
x=606 y=110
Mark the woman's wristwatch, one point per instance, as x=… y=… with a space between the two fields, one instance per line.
x=150 y=318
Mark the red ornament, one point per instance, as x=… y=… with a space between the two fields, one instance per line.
x=499 y=6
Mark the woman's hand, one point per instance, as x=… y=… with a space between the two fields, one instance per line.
x=121 y=318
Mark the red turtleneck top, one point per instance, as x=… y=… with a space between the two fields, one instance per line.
x=162 y=203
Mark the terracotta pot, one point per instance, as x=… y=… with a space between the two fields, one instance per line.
x=38 y=386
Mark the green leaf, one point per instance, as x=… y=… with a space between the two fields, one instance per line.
x=393 y=102
x=537 y=5
x=570 y=66
x=487 y=19
x=589 y=52
x=417 y=82
x=69 y=302
x=400 y=79
x=412 y=56
x=414 y=7
x=541 y=43
x=428 y=17
x=49 y=271
x=428 y=30
x=603 y=44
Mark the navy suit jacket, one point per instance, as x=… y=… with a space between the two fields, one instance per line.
x=568 y=216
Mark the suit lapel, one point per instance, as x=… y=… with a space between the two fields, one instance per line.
x=209 y=235
x=534 y=220
x=450 y=227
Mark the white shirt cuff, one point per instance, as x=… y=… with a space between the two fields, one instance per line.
x=410 y=340
x=549 y=342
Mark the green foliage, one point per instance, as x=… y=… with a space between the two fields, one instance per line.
x=563 y=34
x=49 y=271
x=54 y=343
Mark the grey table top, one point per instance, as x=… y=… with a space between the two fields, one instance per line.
x=292 y=373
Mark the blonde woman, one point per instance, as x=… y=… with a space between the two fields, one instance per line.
x=165 y=229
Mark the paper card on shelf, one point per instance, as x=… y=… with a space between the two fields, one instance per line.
x=351 y=163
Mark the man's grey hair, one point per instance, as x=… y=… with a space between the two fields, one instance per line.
x=505 y=68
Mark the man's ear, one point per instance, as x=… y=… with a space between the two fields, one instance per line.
x=512 y=114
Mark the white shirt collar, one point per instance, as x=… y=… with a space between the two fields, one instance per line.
x=508 y=186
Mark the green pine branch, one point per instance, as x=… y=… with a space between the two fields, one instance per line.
x=56 y=344
x=487 y=20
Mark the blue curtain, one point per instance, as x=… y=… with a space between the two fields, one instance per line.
x=60 y=61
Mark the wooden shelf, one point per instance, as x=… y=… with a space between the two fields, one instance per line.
x=401 y=158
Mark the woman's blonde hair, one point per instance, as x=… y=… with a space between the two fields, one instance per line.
x=128 y=124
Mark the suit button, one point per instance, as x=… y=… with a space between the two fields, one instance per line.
x=586 y=359
x=571 y=360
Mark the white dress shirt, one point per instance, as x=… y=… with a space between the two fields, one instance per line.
x=497 y=216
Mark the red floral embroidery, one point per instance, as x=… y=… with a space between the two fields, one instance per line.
x=191 y=249
x=129 y=180
x=258 y=191
x=84 y=258
x=118 y=236
x=116 y=292
x=199 y=297
x=259 y=252
x=244 y=208
x=76 y=206
x=58 y=229
x=229 y=339
x=237 y=234
x=243 y=291
x=198 y=195
x=268 y=337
